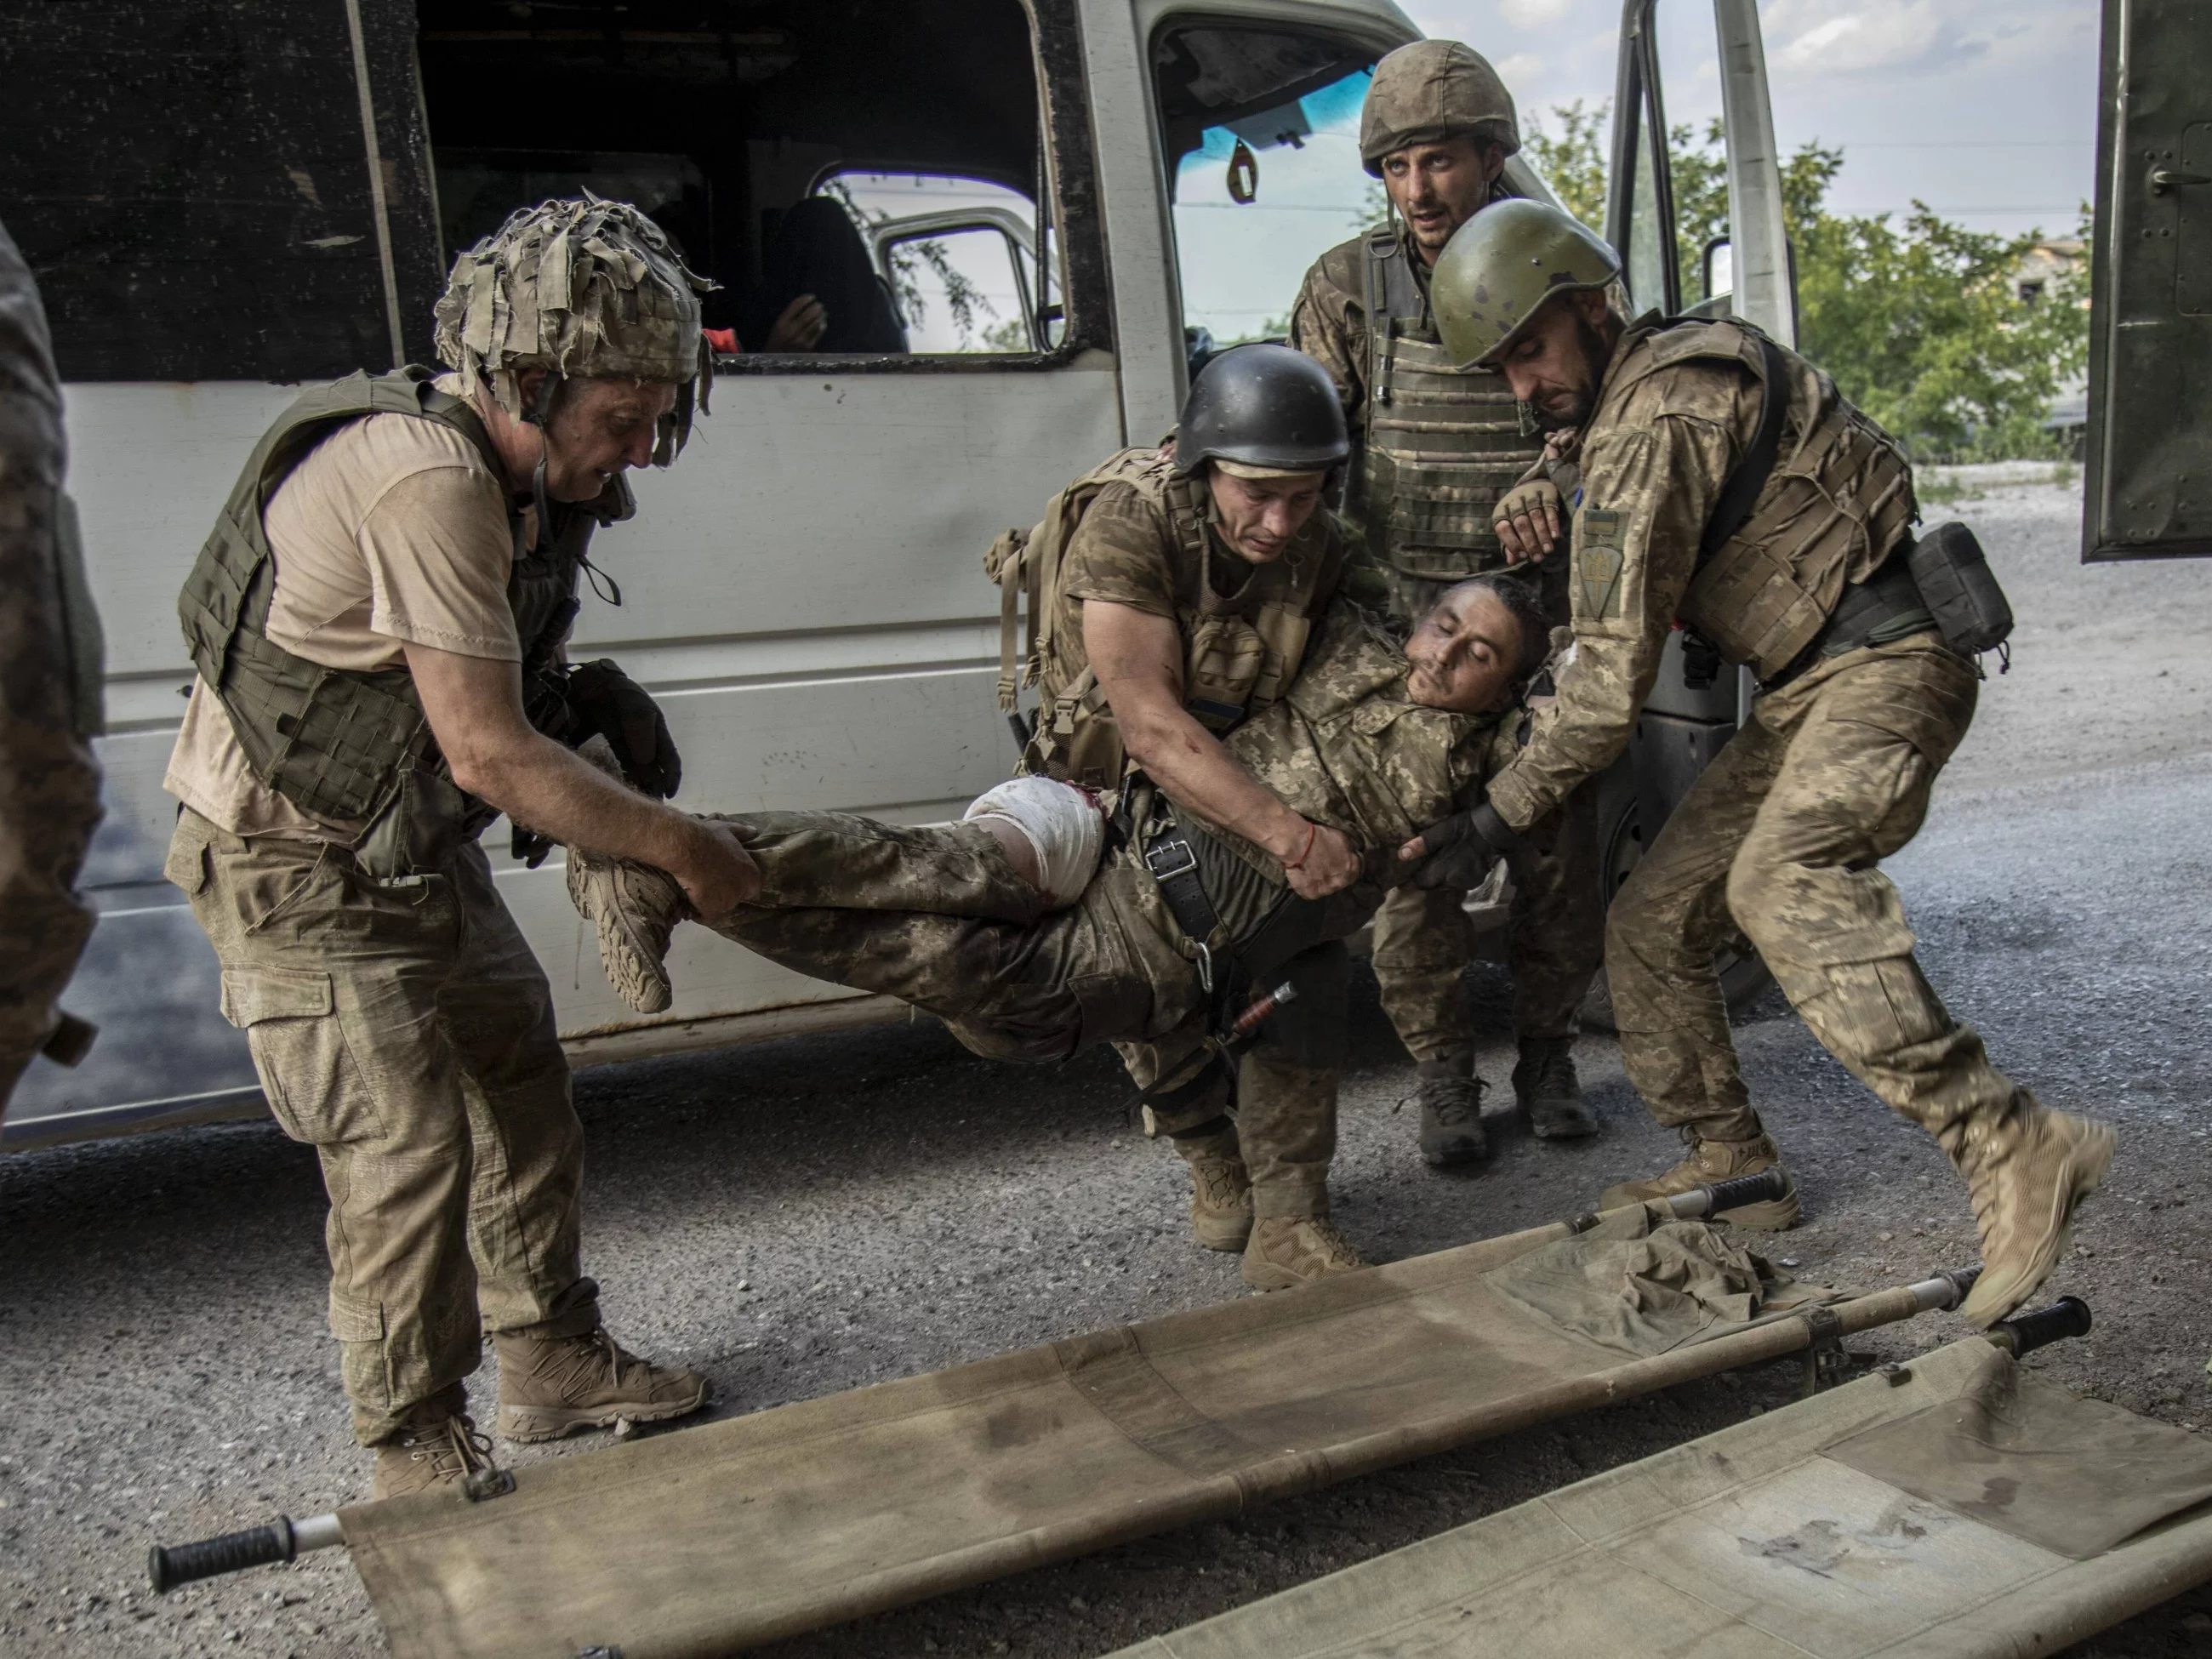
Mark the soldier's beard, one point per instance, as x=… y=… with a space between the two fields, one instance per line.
x=1565 y=413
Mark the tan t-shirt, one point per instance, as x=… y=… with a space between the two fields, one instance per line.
x=394 y=531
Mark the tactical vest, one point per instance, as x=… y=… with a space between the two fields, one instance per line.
x=1443 y=443
x=1837 y=503
x=352 y=746
x=1232 y=668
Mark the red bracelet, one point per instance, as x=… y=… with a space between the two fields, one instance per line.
x=1299 y=862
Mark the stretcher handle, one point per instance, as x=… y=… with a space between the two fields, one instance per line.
x=2023 y=1333
x=1766 y=1188
x=282 y=1540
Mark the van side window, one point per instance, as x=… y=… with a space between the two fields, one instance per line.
x=780 y=143
x=250 y=190
x=1261 y=133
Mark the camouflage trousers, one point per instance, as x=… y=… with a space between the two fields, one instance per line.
x=1423 y=940
x=936 y=916
x=406 y=1034
x=1781 y=838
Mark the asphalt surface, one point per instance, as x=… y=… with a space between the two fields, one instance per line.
x=814 y=1215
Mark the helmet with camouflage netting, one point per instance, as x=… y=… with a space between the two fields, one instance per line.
x=1430 y=91
x=1499 y=268
x=580 y=288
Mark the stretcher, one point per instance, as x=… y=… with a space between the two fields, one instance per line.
x=741 y=1532
x=1953 y=1508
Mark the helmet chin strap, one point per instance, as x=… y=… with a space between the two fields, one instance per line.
x=540 y=415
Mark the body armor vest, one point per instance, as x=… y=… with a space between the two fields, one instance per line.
x=1443 y=443
x=1837 y=503
x=353 y=746
x=1233 y=667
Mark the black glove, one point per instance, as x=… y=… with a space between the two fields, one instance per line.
x=1462 y=849
x=605 y=700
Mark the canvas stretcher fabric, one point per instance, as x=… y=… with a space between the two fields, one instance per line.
x=1970 y=1511
x=715 y=1539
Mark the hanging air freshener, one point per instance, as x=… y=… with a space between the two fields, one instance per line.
x=1243 y=175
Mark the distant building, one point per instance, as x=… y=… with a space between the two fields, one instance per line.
x=2043 y=264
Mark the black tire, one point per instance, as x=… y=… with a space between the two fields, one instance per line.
x=1744 y=977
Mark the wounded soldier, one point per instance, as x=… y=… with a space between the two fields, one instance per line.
x=1020 y=930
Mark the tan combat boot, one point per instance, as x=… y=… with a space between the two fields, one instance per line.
x=2025 y=1172
x=438 y=1450
x=1220 y=1189
x=1717 y=1160
x=1287 y=1250
x=635 y=908
x=551 y=1386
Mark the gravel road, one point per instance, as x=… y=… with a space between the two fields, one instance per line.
x=810 y=1216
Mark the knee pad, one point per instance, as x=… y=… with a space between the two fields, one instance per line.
x=1062 y=825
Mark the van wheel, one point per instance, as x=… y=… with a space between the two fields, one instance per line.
x=1744 y=977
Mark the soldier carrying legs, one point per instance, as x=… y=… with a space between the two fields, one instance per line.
x=1439 y=444
x=378 y=622
x=1724 y=481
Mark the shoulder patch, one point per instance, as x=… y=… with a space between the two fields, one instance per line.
x=1597 y=561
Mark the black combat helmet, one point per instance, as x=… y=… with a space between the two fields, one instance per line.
x=1266 y=406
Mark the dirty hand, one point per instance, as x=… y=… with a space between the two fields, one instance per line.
x=800 y=327
x=716 y=873
x=1459 y=852
x=1527 y=520
x=1329 y=864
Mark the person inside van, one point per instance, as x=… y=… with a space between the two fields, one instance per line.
x=819 y=290
x=1033 y=942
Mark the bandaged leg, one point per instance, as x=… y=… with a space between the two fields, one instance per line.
x=1052 y=832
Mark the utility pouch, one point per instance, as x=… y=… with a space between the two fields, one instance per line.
x=1960 y=591
x=1226 y=657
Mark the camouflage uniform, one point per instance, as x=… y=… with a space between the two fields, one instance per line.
x=1438 y=446
x=1781 y=835
x=936 y=916
x=49 y=784
x=1148 y=541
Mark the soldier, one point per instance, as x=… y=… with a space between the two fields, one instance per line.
x=1008 y=927
x=1723 y=481
x=49 y=692
x=1175 y=607
x=1438 y=446
x=378 y=621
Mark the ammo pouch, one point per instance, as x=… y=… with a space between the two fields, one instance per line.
x=1960 y=591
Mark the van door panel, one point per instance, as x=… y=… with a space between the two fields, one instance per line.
x=2148 y=490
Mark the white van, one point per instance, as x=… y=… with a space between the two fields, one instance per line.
x=233 y=197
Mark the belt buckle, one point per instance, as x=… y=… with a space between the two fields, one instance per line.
x=1167 y=848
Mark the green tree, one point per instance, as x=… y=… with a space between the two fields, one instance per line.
x=1573 y=164
x=1921 y=323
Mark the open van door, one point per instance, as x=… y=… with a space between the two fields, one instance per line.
x=2148 y=491
x=1683 y=727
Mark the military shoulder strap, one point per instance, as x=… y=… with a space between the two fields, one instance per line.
x=1748 y=479
x=1026 y=563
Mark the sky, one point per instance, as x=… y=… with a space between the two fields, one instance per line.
x=1984 y=109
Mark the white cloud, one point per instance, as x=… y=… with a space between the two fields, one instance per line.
x=1855 y=37
x=1534 y=14
x=1519 y=69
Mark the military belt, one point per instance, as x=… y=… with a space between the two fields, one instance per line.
x=1885 y=607
x=1173 y=862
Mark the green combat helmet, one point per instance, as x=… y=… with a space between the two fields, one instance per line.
x=1430 y=91
x=1504 y=263
x=581 y=288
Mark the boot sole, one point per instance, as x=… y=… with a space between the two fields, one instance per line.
x=1230 y=1240
x=1477 y=1154
x=1267 y=1276
x=2084 y=1171
x=525 y=1426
